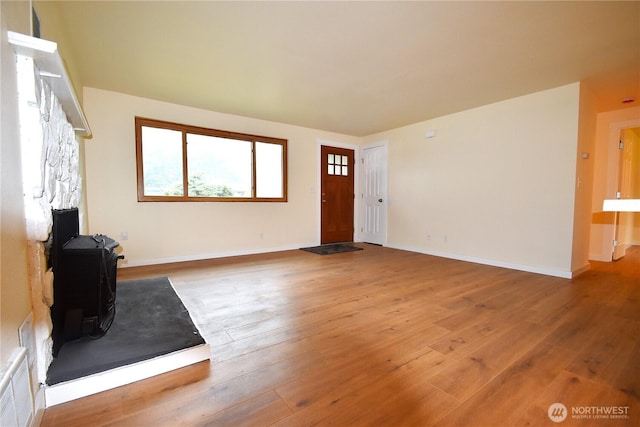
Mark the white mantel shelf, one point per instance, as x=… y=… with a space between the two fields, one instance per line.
x=52 y=70
x=621 y=205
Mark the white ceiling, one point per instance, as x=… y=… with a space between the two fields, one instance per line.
x=355 y=68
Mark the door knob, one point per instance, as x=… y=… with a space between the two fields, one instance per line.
x=380 y=200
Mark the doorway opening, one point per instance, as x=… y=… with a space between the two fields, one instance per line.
x=627 y=224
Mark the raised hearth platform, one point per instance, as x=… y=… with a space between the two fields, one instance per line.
x=152 y=333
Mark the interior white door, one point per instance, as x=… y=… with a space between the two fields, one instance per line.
x=373 y=228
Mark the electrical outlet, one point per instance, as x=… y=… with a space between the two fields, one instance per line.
x=124 y=235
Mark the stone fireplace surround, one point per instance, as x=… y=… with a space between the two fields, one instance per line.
x=51 y=180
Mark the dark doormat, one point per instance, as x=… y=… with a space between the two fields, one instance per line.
x=334 y=248
x=150 y=321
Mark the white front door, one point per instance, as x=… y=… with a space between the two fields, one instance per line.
x=373 y=224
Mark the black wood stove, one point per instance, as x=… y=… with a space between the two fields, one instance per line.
x=84 y=284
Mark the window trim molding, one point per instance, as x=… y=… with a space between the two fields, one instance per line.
x=141 y=122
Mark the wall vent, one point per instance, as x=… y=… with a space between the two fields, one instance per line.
x=15 y=391
x=27 y=340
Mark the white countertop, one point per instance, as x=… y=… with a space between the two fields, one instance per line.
x=621 y=205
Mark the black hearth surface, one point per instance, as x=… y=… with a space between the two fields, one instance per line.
x=150 y=321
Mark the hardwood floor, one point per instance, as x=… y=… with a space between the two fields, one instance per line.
x=383 y=337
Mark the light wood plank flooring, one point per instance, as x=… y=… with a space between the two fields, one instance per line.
x=383 y=337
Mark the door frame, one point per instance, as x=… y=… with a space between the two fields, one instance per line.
x=356 y=185
x=613 y=171
x=627 y=218
x=385 y=145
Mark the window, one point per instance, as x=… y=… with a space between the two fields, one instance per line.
x=338 y=165
x=178 y=162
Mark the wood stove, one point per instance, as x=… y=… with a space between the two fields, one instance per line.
x=84 y=284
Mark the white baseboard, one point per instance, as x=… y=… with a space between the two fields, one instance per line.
x=565 y=274
x=96 y=383
x=600 y=257
x=200 y=257
x=579 y=271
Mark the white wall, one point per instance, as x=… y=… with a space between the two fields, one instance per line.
x=496 y=185
x=176 y=231
x=584 y=181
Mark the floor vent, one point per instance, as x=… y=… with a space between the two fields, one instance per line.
x=17 y=402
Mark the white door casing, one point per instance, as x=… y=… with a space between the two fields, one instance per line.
x=605 y=232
